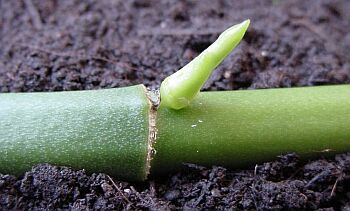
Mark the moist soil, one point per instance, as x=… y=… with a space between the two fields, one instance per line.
x=82 y=45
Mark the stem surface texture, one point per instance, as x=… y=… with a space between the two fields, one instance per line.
x=239 y=128
x=100 y=131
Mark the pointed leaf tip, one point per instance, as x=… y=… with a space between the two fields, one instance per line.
x=179 y=89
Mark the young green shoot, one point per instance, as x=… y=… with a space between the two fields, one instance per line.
x=179 y=89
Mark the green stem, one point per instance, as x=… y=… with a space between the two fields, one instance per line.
x=108 y=130
x=112 y=130
x=179 y=89
x=100 y=131
x=238 y=128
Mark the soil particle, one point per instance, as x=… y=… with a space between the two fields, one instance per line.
x=318 y=184
x=93 y=44
x=82 y=45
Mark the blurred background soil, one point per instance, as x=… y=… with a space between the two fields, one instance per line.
x=82 y=45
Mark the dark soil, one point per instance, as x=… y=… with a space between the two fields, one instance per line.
x=74 y=45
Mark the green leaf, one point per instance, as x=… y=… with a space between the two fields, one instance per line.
x=179 y=89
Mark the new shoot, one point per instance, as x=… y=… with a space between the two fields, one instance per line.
x=179 y=89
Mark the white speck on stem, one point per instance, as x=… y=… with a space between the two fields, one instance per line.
x=200 y=121
x=193 y=125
